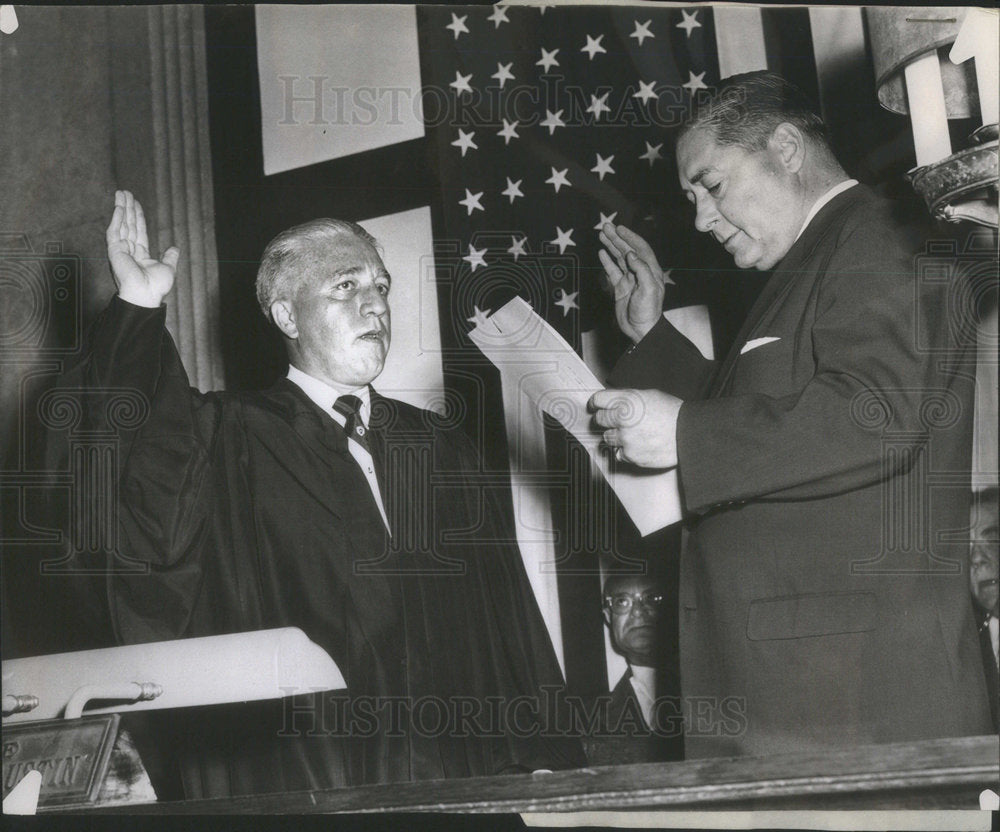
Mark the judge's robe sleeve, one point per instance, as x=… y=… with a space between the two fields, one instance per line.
x=524 y=659
x=164 y=472
x=870 y=372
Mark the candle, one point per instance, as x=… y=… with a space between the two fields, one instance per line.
x=928 y=116
x=979 y=38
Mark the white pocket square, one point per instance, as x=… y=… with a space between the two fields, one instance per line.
x=758 y=342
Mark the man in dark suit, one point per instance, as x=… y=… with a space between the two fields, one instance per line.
x=817 y=586
x=319 y=504
x=984 y=584
x=642 y=721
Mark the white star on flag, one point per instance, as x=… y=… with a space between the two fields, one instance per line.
x=605 y=218
x=642 y=31
x=603 y=166
x=689 y=22
x=475 y=257
x=567 y=302
x=471 y=201
x=593 y=46
x=465 y=141
x=558 y=179
x=552 y=121
x=513 y=190
x=499 y=16
x=503 y=73
x=652 y=153
x=563 y=239
x=695 y=82
x=598 y=106
x=645 y=91
x=479 y=317
x=461 y=82
x=509 y=131
x=517 y=249
x=457 y=25
x=548 y=59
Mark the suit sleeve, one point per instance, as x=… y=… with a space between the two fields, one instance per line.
x=165 y=477
x=871 y=375
x=664 y=360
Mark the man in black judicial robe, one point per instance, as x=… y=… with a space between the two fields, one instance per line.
x=255 y=510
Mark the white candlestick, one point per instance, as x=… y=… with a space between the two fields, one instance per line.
x=979 y=38
x=989 y=89
x=928 y=115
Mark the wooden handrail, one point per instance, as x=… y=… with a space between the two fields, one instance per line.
x=943 y=774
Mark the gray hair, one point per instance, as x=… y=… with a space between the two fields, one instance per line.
x=745 y=110
x=288 y=253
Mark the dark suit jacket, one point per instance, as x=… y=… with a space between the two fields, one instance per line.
x=990 y=669
x=624 y=736
x=252 y=514
x=821 y=603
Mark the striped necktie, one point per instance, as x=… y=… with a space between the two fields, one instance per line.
x=350 y=408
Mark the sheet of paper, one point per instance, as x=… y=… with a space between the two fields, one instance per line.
x=536 y=361
x=693 y=323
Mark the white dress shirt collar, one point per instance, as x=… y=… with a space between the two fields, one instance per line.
x=994 y=626
x=839 y=188
x=644 y=684
x=324 y=395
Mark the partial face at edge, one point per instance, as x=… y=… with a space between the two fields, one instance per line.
x=984 y=566
x=746 y=200
x=339 y=317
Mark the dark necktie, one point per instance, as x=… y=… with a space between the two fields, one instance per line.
x=350 y=408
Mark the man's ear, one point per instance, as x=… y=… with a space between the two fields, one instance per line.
x=607 y=616
x=788 y=147
x=284 y=317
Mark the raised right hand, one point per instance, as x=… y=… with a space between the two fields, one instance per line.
x=141 y=279
x=636 y=278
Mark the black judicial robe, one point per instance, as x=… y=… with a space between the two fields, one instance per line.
x=252 y=514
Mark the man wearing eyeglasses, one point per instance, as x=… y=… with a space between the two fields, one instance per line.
x=635 y=611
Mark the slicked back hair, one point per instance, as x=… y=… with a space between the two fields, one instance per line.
x=745 y=110
x=288 y=253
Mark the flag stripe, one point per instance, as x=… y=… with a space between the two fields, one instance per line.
x=788 y=40
x=739 y=36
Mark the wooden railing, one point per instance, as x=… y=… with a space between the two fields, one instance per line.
x=941 y=774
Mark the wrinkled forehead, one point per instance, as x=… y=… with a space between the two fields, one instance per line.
x=697 y=152
x=344 y=249
x=342 y=254
x=626 y=584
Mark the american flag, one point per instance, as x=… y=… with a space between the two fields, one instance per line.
x=545 y=123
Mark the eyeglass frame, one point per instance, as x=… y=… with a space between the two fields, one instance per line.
x=654 y=606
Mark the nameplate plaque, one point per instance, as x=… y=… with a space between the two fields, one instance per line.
x=71 y=754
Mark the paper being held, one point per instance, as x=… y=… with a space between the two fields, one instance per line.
x=537 y=362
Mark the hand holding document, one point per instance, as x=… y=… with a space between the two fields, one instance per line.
x=534 y=360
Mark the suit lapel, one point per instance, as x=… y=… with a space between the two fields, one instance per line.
x=316 y=428
x=788 y=270
x=331 y=475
